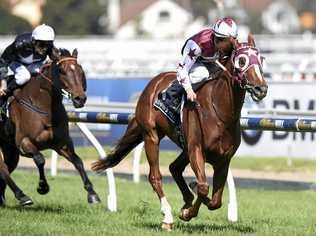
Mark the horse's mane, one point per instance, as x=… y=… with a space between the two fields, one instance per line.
x=64 y=52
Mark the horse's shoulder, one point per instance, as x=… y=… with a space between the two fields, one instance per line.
x=165 y=75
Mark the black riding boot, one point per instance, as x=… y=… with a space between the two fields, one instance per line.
x=173 y=95
x=12 y=85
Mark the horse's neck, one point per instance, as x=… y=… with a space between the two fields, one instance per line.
x=40 y=93
x=238 y=94
x=227 y=97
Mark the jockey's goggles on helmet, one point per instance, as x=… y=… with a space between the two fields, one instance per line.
x=220 y=39
x=43 y=44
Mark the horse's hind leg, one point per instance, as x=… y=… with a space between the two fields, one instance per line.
x=11 y=156
x=176 y=168
x=69 y=153
x=152 y=152
x=31 y=150
x=2 y=191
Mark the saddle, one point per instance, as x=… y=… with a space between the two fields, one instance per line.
x=171 y=102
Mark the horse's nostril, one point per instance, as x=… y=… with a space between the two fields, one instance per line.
x=261 y=89
x=258 y=88
x=80 y=99
x=83 y=98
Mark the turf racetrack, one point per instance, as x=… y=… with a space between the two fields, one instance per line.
x=65 y=211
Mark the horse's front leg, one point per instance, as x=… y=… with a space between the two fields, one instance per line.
x=176 y=168
x=198 y=166
x=219 y=180
x=30 y=150
x=69 y=153
x=197 y=162
x=152 y=152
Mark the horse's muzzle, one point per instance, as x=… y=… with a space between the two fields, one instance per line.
x=79 y=101
x=258 y=92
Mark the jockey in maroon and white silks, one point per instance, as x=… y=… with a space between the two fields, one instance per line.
x=207 y=45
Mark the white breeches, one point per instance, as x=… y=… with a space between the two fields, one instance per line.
x=198 y=73
x=22 y=73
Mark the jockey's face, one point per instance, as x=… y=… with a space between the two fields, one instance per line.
x=223 y=45
x=42 y=47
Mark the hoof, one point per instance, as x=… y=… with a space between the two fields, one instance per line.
x=43 y=188
x=93 y=199
x=167 y=226
x=2 y=201
x=25 y=201
x=185 y=215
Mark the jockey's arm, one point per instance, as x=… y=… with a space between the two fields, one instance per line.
x=3 y=68
x=191 y=52
x=9 y=54
x=21 y=43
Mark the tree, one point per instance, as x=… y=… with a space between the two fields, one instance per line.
x=78 y=17
x=11 y=24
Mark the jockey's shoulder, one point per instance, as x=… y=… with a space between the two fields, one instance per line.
x=203 y=35
x=24 y=39
x=205 y=31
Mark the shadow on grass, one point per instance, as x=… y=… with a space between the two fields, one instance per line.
x=200 y=228
x=46 y=209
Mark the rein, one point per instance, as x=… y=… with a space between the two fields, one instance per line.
x=57 y=63
x=30 y=106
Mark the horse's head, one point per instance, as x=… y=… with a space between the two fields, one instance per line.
x=247 y=64
x=70 y=74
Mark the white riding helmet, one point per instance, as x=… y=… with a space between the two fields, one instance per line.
x=43 y=33
x=225 y=27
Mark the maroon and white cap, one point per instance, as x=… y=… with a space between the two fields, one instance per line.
x=225 y=27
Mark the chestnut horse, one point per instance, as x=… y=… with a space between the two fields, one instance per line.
x=38 y=121
x=211 y=129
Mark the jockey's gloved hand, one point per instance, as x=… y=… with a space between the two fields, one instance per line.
x=191 y=96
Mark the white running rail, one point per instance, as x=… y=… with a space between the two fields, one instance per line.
x=112 y=199
x=232 y=214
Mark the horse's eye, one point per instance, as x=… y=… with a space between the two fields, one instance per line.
x=241 y=62
x=61 y=71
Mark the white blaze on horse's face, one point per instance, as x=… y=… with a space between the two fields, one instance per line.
x=72 y=66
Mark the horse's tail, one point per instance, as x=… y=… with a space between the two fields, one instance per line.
x=132 y=137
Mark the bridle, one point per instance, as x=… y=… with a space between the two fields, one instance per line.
x=29 y=106
x=50 y=80
x=251 y=56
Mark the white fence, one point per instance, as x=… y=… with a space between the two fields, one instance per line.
x=102 y=56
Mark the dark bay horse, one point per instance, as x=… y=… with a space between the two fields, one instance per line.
x=211 y=130
x=38 y=121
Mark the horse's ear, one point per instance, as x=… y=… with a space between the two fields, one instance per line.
x=55 y=56
x=251 y=40
x=75 y=53
x=234 y=42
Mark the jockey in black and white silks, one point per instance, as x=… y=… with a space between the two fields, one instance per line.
x=24 y=57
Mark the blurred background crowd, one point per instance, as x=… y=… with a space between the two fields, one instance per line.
x=156 y=18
